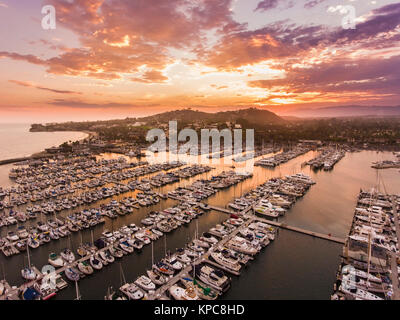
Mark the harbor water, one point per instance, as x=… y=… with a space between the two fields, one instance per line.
x=294 y=266
x=16 y=142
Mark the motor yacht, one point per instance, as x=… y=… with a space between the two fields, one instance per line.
x=178 y=293
x=145 y=283
x=156 y=277
x=225 y=261
x=95 y=262
x=85 y=268
x=214 y=278
x=68 y=256
x=56 y=260
x=132 y=291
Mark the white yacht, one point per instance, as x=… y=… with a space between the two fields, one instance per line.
x=357 y=293
x=215 y=278
x=56 y=260
x=173 y=262
x=242 y=245
x=179 y=293
x=227 y=262
x=85 y=268
x=28 y=274
x=132 y=291
x=68 y=255
x=145 y=283
x=156 y=277
x=95 y=262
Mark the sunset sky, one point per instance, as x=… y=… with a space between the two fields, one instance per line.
x=118 y=58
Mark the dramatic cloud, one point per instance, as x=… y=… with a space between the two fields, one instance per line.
x=282 y=40
x=151 y=77
x=378 y=77
x=87 y=105
x=168 y=51
x=119 y=37
x=267 y=5
x=32 y=85
x=312 y=3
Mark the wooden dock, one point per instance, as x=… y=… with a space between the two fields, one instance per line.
x=223 y=210
x=302 y=231
x=281 y=225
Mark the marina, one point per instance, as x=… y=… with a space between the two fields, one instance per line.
x=328 y=158
x=227 y=151
x=283 y=157
x=369 y=269
x=193 y=192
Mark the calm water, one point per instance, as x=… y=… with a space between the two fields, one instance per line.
x=17 y=141
x=294 y=266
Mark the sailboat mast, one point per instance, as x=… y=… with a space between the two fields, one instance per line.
x=165 y=245
x=29 y=258
x=122 y=276
x=369 y=253
x=78 y=297
x=152 y=254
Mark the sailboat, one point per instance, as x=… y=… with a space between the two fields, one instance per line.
x=130 y=290
x=156 y=277
x=28 y=273
x=114 y=295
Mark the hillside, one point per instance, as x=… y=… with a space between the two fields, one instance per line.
x=251 y=116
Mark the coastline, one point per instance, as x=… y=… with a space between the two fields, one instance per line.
x=43 y=154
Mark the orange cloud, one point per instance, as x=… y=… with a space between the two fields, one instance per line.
x=32 y=85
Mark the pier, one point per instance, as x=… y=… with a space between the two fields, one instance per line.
x=283 y=225
x=223 y=210
x=303 y=231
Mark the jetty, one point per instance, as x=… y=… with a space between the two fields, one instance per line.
x=303 y=231
x=282 y=225
x=223 y=210
x=14 y=160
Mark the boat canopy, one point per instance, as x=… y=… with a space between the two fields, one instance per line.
x=31 y=294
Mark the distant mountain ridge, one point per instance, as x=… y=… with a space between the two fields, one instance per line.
x=251 y=115
x=347 y=111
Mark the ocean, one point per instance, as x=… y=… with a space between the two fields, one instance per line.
x=16 y=140
x=294 y=266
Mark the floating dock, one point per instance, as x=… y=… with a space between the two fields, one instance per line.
x=282 y=225
x=303 y=231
